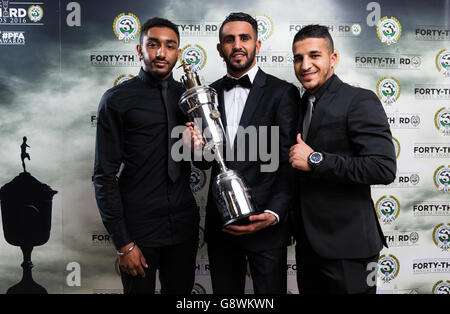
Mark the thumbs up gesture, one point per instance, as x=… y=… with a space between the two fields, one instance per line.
x=298 y=155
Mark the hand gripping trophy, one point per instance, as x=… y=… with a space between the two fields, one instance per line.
x=200 y=104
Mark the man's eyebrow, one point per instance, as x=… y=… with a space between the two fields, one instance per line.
x=157 y=39
x=237 y=35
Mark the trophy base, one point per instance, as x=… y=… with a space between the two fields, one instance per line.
x=239 y=221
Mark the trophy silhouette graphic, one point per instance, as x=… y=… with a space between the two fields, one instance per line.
x=26 y=205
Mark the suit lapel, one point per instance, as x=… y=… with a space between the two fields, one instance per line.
x=221 y=108
x=254 y=96
x=321 y=106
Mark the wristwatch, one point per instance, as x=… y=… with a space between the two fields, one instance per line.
x=315 y=159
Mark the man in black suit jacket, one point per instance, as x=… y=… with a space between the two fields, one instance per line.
x=344 y=145
x=261 y=101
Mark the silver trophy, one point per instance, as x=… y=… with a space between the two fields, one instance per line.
x=231 y=193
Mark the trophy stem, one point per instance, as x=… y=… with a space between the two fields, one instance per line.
x=27 y=285
x=220 y=160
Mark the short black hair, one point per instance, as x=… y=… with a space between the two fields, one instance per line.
x=158 y=22
x=315 y=31
x=240 y=17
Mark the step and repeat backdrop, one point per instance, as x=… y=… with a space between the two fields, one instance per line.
x=58 y=57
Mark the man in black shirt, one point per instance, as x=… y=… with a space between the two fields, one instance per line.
x=149 y=210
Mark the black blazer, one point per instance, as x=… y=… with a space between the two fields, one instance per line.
x=271 y=102
x=335 y=208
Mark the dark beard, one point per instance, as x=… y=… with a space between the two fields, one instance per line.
x=241 y=67
x=155 y=74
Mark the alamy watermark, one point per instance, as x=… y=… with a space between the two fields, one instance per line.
x=253 y=143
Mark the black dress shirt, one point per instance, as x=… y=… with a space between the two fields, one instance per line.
x=144 y=204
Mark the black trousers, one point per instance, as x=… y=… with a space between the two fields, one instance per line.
x=316 y=275
x=176 y=265
x=228 y=266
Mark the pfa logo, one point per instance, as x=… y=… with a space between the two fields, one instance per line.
x=441 y=236
x=415 y=120
x=389 y=267
x=126 y=26
x=197 y=179
x=388 y=90
x=356 y=29
x=389 y=30
x=441 y=287
x=388 y=209
x=265 y=26
x=414 y=179
x=414 y=237
x=416 y=62
x=122 y=78
x=443 y=62
x=396 y=146
x=442 y=120
x=193 y=55
x=442 y=178
x=35 y=13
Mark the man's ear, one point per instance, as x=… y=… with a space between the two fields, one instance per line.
x=139 y=51
x=333 y=58
x=258 y=46
x=219 y=49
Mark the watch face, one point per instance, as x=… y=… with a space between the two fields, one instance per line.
x=316 y=158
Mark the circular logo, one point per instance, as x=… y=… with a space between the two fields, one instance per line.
x=198 y=289
x=443 y=62
x=442 y=120
x=441 y=236
x=388 y=209
x=416 y=62
x=126 y=26
x=195 y=56
x=388 y=90
x=389 y=30
x=441 y=287
x=122 y=78
x=265 y=26
x=389 y=267
x=415 y=120
x=356 y=29
x=414 y=237
x=442 y=178
x=414 y=179
x=197 y=179
x=396 y=147
x=35 y=13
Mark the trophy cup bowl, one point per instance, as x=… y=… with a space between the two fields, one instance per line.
x=232 y=195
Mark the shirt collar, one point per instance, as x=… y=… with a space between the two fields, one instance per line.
x=251 y=74
x=149 y=79
x=322 y=89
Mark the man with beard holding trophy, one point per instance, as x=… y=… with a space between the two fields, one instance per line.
x=149 y=210
x=250 y=98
